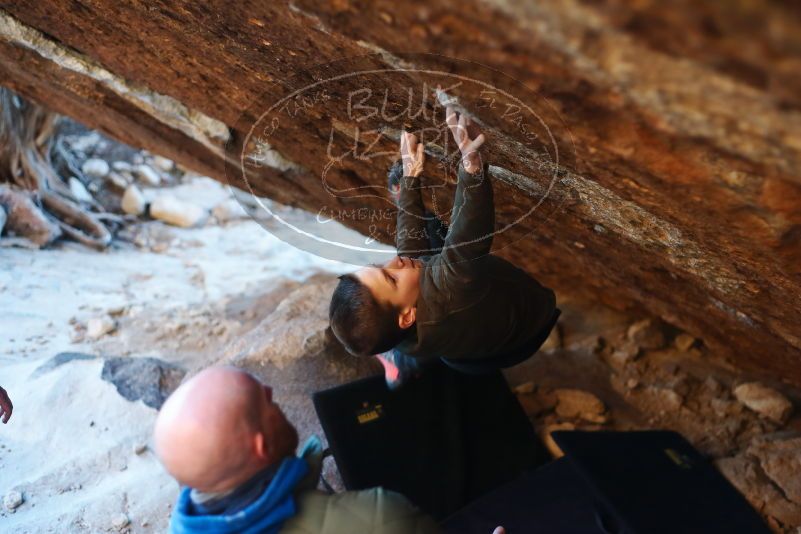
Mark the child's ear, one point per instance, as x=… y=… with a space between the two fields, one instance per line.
x=407 y=317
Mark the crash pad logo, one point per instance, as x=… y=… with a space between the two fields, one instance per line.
x=326 y=139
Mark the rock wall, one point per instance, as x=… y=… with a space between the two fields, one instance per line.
x=661 y=167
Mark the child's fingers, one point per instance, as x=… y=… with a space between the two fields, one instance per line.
x=5 y=410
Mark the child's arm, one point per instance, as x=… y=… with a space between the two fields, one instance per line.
x=473 y=216
x=411 y=238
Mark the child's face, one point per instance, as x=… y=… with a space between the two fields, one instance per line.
x=396 y=282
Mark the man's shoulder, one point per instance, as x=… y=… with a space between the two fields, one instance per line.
x=370 y=510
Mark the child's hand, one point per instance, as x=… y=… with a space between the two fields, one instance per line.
x=5 y=406
x=412 y=155
x=459 y=125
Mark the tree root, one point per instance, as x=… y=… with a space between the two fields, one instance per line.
x=25 y=219
x=26 y=135
x=78 y=224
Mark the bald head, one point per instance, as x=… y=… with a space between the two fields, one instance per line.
x=219 y=429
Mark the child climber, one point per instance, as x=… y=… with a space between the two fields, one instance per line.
x=461 y=304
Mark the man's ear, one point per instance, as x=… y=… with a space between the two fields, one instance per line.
x=407 y=317
x=260 y=446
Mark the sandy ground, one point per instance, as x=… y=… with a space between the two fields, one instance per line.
x=70 y=445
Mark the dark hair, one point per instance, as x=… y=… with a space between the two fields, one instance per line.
x=361 y=323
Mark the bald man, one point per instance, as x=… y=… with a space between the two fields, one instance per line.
x=230 y=446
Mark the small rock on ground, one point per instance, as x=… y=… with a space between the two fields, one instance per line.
x=121 y=166
x=147 y=175
x=765 y=401
x=79 y=190
x=623 y=353
x=95 y=168
x=98 y=327
x=148 y=379
x=646 y=334
x=12 y=500
x=229 y=210
x=684 y=342
x=133 y=201
x=120 y=521
x=575 y=403
x=668 y=399
x=176 y=212
x=526 y=387
x=163 y=164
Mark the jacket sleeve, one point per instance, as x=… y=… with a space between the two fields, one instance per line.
x=411 y=238
x=471 y=230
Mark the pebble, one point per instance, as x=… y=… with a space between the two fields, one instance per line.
x=684 y=342
x=12 y=500
x=121 y=166
x=120 y=521
x=98 y=327
x=95 y=168
x=764 y=401
x=176 y=212
x=575 y=403
x=85 y=142
x=79 y=190
x=140 y=448
x=163 y=164
x=147 y=175
x=133 y=201
x=160 y=246
x=524 y=388
x=646 y=334
x=118 y=180
x=77 y=336
x=713 y=386
x=228 y=210
x=626 y=352
x=669 y=399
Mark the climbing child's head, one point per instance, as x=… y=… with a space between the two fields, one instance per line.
x=372 y=309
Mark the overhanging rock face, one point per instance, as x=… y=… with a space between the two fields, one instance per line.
x=654 y=157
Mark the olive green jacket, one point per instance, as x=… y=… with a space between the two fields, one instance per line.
x=353 y=512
